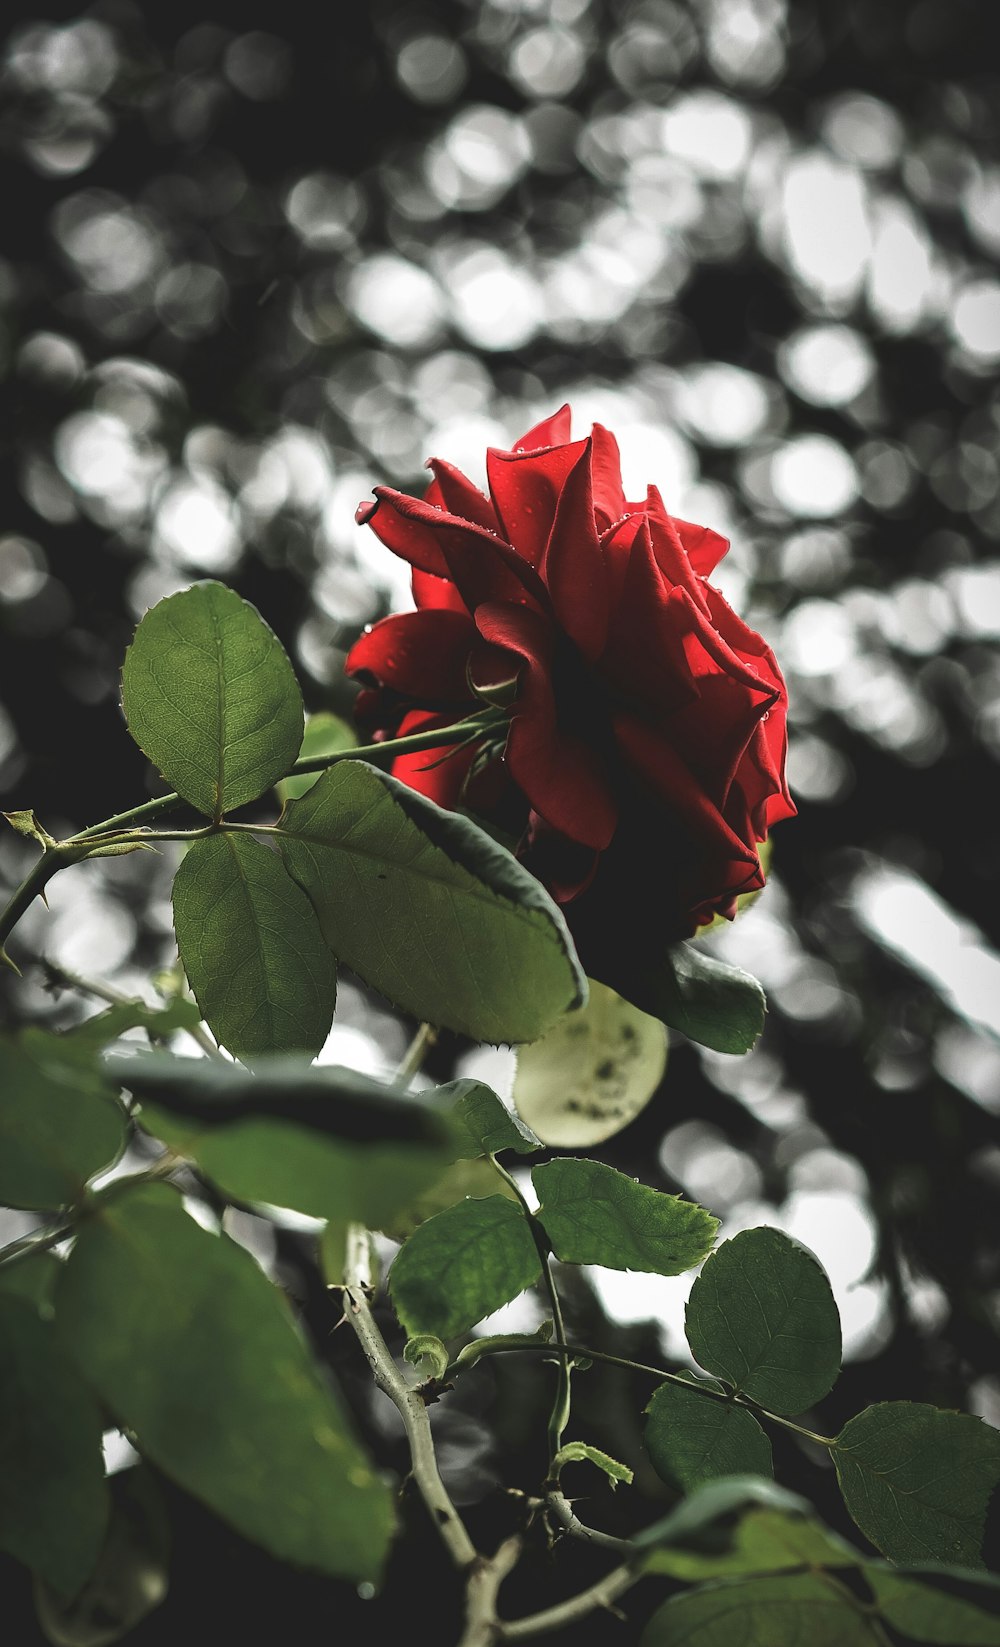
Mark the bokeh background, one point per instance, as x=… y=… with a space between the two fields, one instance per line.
x=249 y=268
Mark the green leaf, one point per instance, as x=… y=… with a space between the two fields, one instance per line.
x=704 y=1524
x=130 y=1578
x=691 y=1438
x=53 y=1501
x=430 y=911
x=717 y=1005
x=160 y=1021
x=325 y=734
x=592 y=1073
x=59 y=1122
x=26 y=823
x=427 y=1354
x=252 y=949
x=32 y=1277
x=925 y=1613
x=763 y=1612
x=918 y=1480
x=765 y=1539
x=191 y=1348
x=327 y=1099
x=477 y=1178
x=483 y=1123
x=462 y=1265
x=595 y=1215
x=211 y=698
x=762 y=1316
x=578 y=1452
x=286 y=1165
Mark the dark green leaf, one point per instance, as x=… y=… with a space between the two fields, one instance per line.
x=762 y=1316
x=130 y=1578
x=477 y=1178
x=252 y=949
x=32 y=1277
x=925 y=1613
x=462 y=1265
x=53 y=1500
x=717 y=1005
x=483 y=1123
x=692 y=1439
x=764 y=1612
x=211 y=698
x=595 y=1215
x=191 y=1348
x=59 y=1122
x=918 y=1480
x=428 y=910
x=325 y=734
x=324 y=1097
x=287 y=1165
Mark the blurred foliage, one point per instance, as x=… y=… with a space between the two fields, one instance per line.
x=249 y=270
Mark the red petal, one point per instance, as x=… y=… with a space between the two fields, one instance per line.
x=421 y=654
x=643 y=658
x=459 y=495
x=703 y=547
x=438 y=594
x=552 y=431
x=606 y=469
x=660 y=765
x=526 y=487
x=561 y=775
x=481 y=566
x=669 y=550
x=573 y=565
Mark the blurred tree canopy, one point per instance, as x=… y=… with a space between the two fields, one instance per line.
x=252 y=266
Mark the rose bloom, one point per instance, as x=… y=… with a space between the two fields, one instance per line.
x=645 y=754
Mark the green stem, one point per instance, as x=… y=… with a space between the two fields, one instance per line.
x=580 y=1352
x=433 y=739
x=559 y=1416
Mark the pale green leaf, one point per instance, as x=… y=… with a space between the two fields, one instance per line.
x=925 y=1613
x=595 y=1215
x=483 y=1123
x=592 y=1073
x=762 y=1316
x=211 y=698
x=580 y=1452
x=252 y=949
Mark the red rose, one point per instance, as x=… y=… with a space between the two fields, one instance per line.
x=646 y=747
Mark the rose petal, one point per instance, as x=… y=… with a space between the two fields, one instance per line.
x=552 y=431
x=440 y=594
x=459 y=495
x=660 y=765
x=573 y=565
x=481 y=566
x=703 y=547
x=642 y=658
x=525 y=488
x=561 y=774
x=422 y=654
x=606 y=471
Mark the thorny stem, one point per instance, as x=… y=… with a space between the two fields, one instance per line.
x=602 y=1594
x=115 y=830
x=41 y=1240
x=65 y=979
x=415 y=1054
x=559 y=1416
